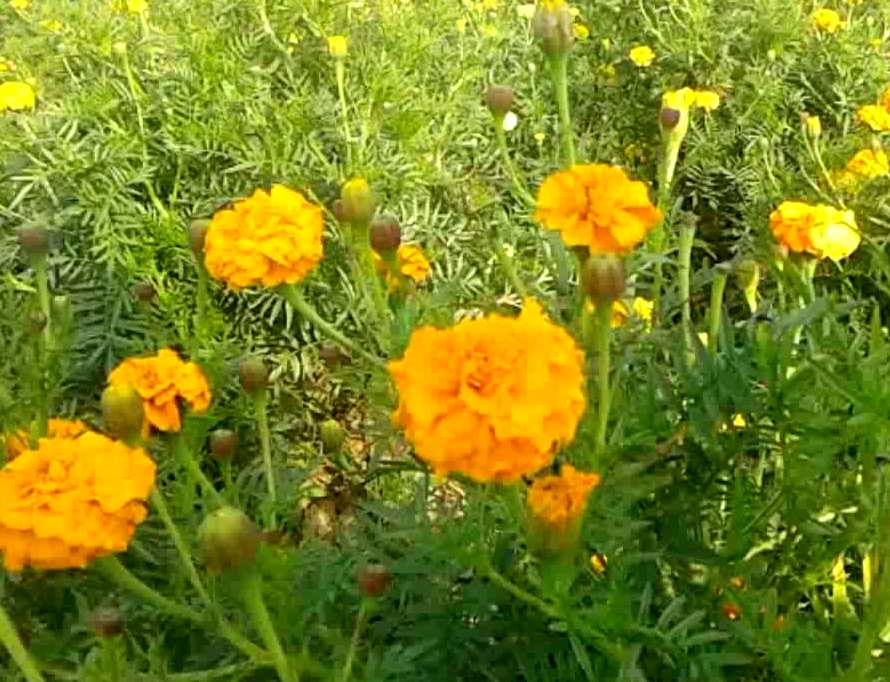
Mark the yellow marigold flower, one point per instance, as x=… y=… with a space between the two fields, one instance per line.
x=680 y=99
x=271 y=238
x=826 y=20
x=642 y=55
x=596 y=206
x=52 y=25
x=16 y=95
x=875 y=116
x=813 y=125
x=137 y=6
x=556 y=506
x=643 y=308
x=869 y=163
x=70 y=501
x=161 y=380
x=338 y=46
x=490 y=398
x=822 y=231
x=18 y=442
x=640 y=307
x=20 y=4
x=581 y=31
x=412 y=263
x=706 y=99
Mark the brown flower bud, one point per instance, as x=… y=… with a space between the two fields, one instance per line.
x=339 y=211
x=228 y=540
x=36 y=322
x=603 y=278
x=670 y=118
x=144 y=292
x=358 y=201
x=331 y=355
x=107 y=621
x=223 y=444
x=373 y=580
x=386 y=234
x=197 y=234
x=332 y=435
x=254 y=375
x=122 y=411
x=34 y=240
x=499 y=99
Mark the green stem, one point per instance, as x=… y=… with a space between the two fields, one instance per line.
x=360 y=620
x=13 y=643
x=187 y=459
x=252 y=594
x=340 y=70
x=521 y=594
x=185 y=556
x=718 y=287
x=518 y=184
x=261 y=405
x=559 y=74
x=295 y=297
x=659 y=240
x=201 y=314
x=507 y=263
x=42 y=281
x=684 y=271
x=602 y=338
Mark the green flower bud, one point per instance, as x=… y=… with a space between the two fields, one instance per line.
x=552 y=26
x=603 y=279
x=223 y=444
x=228 y=540
x=332 y=435
x=122 y=411
x=254 y=375
x=197 y=235
x=358 y=201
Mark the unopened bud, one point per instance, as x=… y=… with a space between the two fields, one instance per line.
x=34 y=240
x=223 y=444
x=339 y=211
x=813 y=125
x=228 y=540
x=254 y=375
x=197 y=235
x=107 y=621
x=373 y=580
x=603 y=279
x=748 y=274
x=36 y=322
x=144 y=292
x=122 y=411
x=358 y=201
x=499 y=99
x=332 y=435
x=386 y=234
x=331 y=355
x=669 y=118
x=552 y=26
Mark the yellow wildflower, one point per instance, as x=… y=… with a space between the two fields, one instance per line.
x=826 y=20
x=581 y=31
x=338 y=46
x=20 y=4
x=869 y=163
x=137 y=6
x=16 y=95
x=642 y=55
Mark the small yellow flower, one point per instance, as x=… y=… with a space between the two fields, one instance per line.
x=869 y=163
x=6 y=66
x=461 y=25
x=338 y=46
x=875 y=116
x=20 y=4
x=706 y=99
x=642 y=55
x=16 y=95
x=643 y=308
x=826 y=20
x=137 y=6
x=52 y=25
x=814 y=126
x=581 y=31
x=540 y=137
x=599 y=562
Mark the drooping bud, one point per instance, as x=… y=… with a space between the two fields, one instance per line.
x=144 y=292
x=197 y=235
x=386 y=234
x=552 y=26
x=254 y=375
x=122 y=411
x=373 y=580
x=34 y=241
x=228 y=540
x=223 y=444
x=107 y=621
x=748 y=274
x=603 y=278
x=332 y=435
x=499 y=99
x=358 y=201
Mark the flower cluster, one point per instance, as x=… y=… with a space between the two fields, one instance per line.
x=597 y=206
x=18 y=442
x=877 y=116
x=490 y=398
x=820 y=230
x=161 y=380
x=72 y=500
x=270 y=238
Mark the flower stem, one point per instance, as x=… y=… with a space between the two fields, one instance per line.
x=185 y=556
x=559 y=74
x=187 y=459
x=42 y=281
x=684 y=259
x=13 y=643
x=295 y=297
x=252 y=594
x=521 y=594
x=718 y=287
x=364 y=611
x=507 y=263
x=261 y=405
x=518 y=184
x=340 y=70
x=602 y=338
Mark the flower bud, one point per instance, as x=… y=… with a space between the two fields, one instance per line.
x=373 y=580
x=36 y=322
x=499 y=99
x=669 y=118
x=254 y=375
x=339 y=211
x=386 y=235
x=223 y=444
x=331 y=355
x=358 y=201
x=197 y=234
x=122 y=411
x=603 y=278
x=144 y=292
x=107 y=621
x=228 y=540
x=552 y=26
x=813 y=125
x=34 y=240
x=748 y=274
x=332 y=435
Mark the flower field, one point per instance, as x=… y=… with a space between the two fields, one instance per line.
x=382 y=340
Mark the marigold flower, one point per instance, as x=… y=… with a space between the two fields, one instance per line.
x=706 y=99
x=581 y=31
x=137 y=6
x=161 y=380
x=70 y=501
x=875 y=116
x=823 y=231
x=52 y=25
x=597 y=206
x=16 y=96
x=556 y=506
x=826 y=20
x=642 y=55
x=338 y=46
x=270 y=238
x=869 y=163
x=490 y=398
x=412 y=263
x=20 y=4
x=18 y=442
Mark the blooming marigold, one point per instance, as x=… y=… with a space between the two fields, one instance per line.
x=556 y=506
x=597 y=206
x=271 y=238
x=412 y=263
x=642 y=55
x=826 y=20
x=70 y=501
x=161 y=380
x=16 y=95
x=18 y=442
x=490 y=398
x=338 y=46
x=823 y=231
x=875 y=116
x=869 y=163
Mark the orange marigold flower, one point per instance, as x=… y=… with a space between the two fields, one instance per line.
x=490 y=398
x=556 y=506
x=161 y=380
x=271 y=238
x=597 y=206
x=72 y=500
x=412 y=263
x=823 y=231
x=18 y=442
